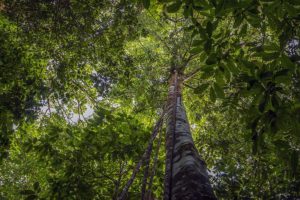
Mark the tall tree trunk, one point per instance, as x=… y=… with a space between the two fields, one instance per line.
x=186 y=174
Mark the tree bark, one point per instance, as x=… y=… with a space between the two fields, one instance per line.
x=186 y=175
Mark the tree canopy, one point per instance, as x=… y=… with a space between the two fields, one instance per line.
x=83 y=82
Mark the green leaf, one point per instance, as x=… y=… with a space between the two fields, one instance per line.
x=273 y=126
x=209 y=28
x=188 y=11
x=208 y=71
x=36 y=187
x=196 y=50
x=254 y=123
x=198 y=8
x=294 y=161
x=202 y=32
x=294 y=2
x=174 y=7
x=213 y=2
x=255 y=143
x=282 y=72
x=219 y=7
x=212 y=94
x=26 y=192
x=146 y=3
x=265 y=75
x=283 y=79
x=291 y=9
x=271 y=47
x=219 y=91
x=267 y=1
x=207 y=68
x=244 y=29
x=230 y=64
x=197 y=42
x=286 y=62
x=31 y=197
x=270 y=56
x=275 y=101
x=282 y=39
x=254 y=20
x=194 y=33
x=208 y=46
x=190 y=28
x=263 y=103
x=247 y=64
x=238 y=21
x=212 y=59
x=201 y=88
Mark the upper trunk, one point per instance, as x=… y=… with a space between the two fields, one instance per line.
x=186 y=175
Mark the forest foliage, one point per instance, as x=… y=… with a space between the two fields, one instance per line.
x=82 y=83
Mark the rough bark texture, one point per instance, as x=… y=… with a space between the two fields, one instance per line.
x=170 y=123
x=186 y=173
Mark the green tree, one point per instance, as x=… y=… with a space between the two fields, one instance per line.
x=235 y=64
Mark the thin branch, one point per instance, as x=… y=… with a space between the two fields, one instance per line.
x=186 y=52
x=148 y=195
x=146 y=172
x=188 y=86
x=139 y=164
x=49 y=107
x=92 y=100
x=163 y=41
x=118 y=182
x=191 y=74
